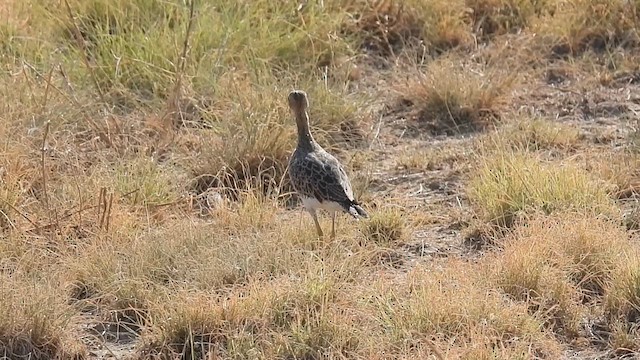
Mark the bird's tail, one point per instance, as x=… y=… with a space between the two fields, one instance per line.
x=357 y=211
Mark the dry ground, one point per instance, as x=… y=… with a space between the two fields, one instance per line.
x=146 y=213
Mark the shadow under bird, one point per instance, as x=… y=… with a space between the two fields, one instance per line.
x=317 y=176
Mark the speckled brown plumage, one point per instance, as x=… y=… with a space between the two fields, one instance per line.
x=317 y=176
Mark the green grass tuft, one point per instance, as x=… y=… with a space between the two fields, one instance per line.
x=512 y=184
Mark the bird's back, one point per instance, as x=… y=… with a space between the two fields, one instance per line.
x=319 y=175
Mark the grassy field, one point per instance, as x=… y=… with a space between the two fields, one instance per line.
x=146 y=213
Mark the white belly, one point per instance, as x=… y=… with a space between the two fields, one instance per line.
x=314 y=204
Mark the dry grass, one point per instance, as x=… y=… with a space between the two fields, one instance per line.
x=534 y=135
x=510 y=184
x=565 y=268
x=285 y=318
x=143 y=187
x=621 y=305
x=37 y=321
x=497 y=17
x=386 y=227
x=450 y=98
x=618 y=168
x=387 y=27
x=431 y=158
x=31 y=330
x=578 y=25
x=452 y=306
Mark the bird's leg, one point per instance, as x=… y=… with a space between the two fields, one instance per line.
x=315 y=220
x=333 y=225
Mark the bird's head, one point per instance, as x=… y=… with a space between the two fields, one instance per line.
x=298 y=101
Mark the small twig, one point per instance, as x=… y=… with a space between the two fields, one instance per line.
x=185 y=45
x=377 y=134
x=81 y=200
x=170 y=203
x=102 y=204
x=404 y=177
x=64 y=217
x=67 y=82
x=284 y=177
x=99 y=202
x=109 y=205
x=20 y=212
x=103 y=133
x=44 y=177
x=104 y=208
x=44 y=168
x=81 y=44
x=27 y=79
x=74 y=100
x=130 y=192
x=46 y=91
x=173 y=103
x=564 y=90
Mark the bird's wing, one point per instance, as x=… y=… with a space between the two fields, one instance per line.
x=344 y=181
x=331 y=179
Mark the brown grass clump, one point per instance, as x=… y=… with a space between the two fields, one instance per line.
x=433 y=27
x=568 y=268
x=619 y=169
x=496 y=17
x=168 y=257
x=35 y=321
x=622 y=303
x=578 y=25
x=387 y=26
x=556 y=272
x=124 y=278
x=557 y=264
x=457 y=313
x=280 y=319
x=452 y=98
x=525 y=275
x=147 y=182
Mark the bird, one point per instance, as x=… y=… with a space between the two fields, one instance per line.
x=317 y=176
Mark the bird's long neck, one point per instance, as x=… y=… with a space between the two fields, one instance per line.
x=305 y=139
